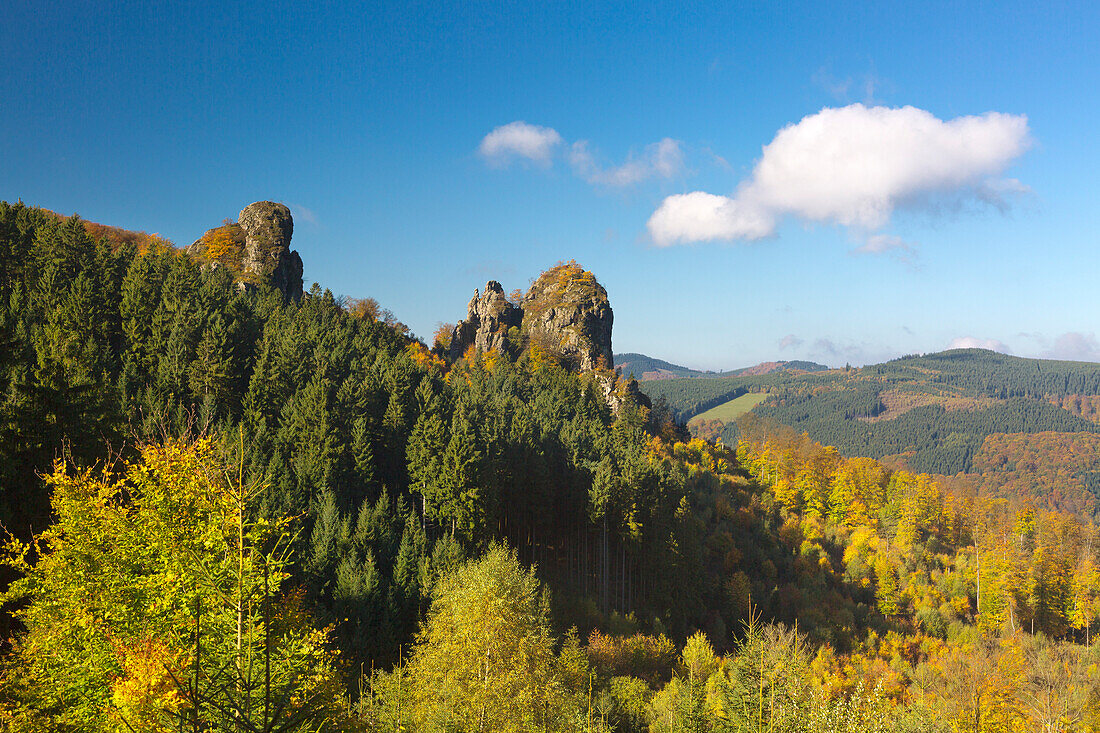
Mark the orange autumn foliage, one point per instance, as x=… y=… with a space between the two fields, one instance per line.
x=424 y=358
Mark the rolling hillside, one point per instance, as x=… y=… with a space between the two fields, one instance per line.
x=710 y=424
x=735 y=408
x=966 y=411
x=647 y=368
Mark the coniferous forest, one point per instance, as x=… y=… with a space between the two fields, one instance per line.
x=227 y=507
x=987 y=421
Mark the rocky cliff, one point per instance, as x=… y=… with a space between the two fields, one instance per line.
x=255 y=249
x=565 y=313
x=488 y=318
x=268 y=228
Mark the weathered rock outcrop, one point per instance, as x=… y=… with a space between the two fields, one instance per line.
x=567 y=313
x=488 y=318
x=268 y=228
x=256 y=249
x=618 y=391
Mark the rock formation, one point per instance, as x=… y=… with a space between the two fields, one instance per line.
x=618 y=391
x=256 y=249
x=566 y=312
x=488 y=318
x=267 y=257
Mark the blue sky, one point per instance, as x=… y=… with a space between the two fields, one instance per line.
x=370 y=121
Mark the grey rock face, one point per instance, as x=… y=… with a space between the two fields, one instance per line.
x=256 y=249
x=567 y=313
x=268 y=228
x=488 y=318
x=617 y=391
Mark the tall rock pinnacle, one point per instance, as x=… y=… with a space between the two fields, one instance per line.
x=488 y=318
x=268 y=228
x=256 y=250
x=567 y=313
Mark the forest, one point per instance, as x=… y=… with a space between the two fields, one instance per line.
x=953 y=414
x=227 y=509
x=643 y=367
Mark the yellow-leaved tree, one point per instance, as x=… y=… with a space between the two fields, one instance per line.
x=153 y=603
x=484 y=660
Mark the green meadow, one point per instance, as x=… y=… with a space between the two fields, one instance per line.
x=735 y=408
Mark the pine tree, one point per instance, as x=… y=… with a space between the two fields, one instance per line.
x=362 y=455
x=427 y=443
x=462 y=500
x=176 y=327
x=309 y=440
x=405 y=593
x=211 y=372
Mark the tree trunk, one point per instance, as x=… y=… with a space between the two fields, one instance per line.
x=604 y=595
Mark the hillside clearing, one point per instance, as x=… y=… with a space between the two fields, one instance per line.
x=729 y=411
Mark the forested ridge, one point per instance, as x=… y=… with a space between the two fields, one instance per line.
x=933 y=413
x=642 y=367
x=647 y=368
x=230 y=509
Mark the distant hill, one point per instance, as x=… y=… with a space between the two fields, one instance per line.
x=768 y=367
x=949 y=413
x=647 y=368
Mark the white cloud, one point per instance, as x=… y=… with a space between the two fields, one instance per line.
x=520 y=140
x=826 y=346
x=838 y=88
x=663 y=159
x=701 y=217
x=1074 y=346
x=790 y=341
x=889 y=244
x=837 y=353
x=997 y=191
x=854 y=166
x=971 y=342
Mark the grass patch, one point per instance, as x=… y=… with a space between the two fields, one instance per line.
x=729 y=411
